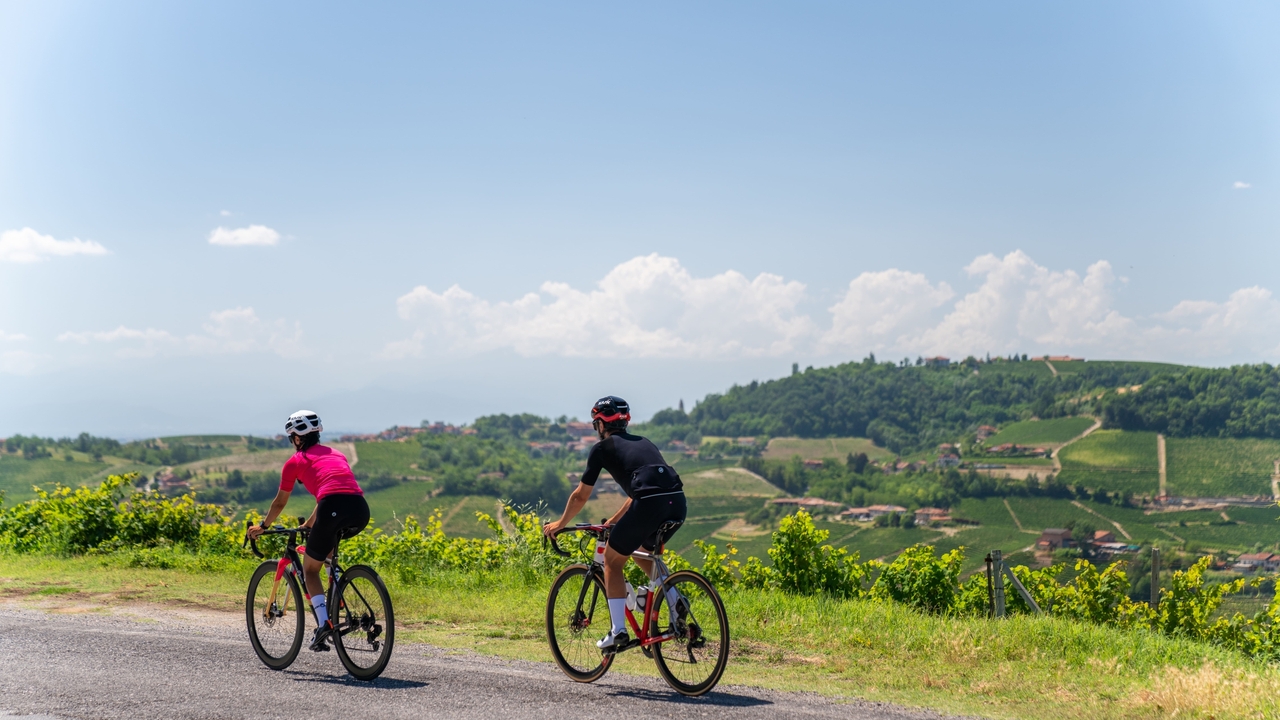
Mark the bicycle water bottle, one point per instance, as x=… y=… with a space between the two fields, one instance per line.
x=631 y=598
x=642 y=597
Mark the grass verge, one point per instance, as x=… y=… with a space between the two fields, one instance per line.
x=1020 y=668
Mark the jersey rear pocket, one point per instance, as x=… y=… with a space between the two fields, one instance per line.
x=654 y=479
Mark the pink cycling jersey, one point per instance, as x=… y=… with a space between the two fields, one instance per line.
x=322 y=470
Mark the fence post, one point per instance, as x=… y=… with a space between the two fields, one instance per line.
x=1022 y=590
x=991 y=597
x=997 y=567
x=1155 y=578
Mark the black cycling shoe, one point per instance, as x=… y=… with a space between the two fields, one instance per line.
x=319 y=637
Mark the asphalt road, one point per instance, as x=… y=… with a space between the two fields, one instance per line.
x=55 y=665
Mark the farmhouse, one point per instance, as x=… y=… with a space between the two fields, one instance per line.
x=1054 y=539
x=813 y=463
x=924 y=516
x=949 y=461
x=937 y=361
x=858 y=514
x=986 y=431
x=1251 y=562
x=808 y=503
x=579 y=429
x=878 y=510
x=1103 y=536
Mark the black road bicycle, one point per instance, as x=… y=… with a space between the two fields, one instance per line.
x=683 y=625
x=359 y=607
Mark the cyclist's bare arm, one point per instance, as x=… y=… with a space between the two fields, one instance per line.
x=277 y=507
x=577 y=500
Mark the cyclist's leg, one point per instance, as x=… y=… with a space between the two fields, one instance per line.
x=335 y=514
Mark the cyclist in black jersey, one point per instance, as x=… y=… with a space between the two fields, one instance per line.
x=655 y=496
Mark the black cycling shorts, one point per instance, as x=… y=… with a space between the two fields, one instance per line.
x=639 y=526
x=337 y=517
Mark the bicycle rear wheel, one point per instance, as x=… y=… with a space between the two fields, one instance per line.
x=365 y=623
x=276 y=625
x=576 y=602
x=693 y=662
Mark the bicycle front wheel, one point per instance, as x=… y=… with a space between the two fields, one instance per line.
x=694 y=660
x=576 y=603
x=276 y=616
x=364 y=622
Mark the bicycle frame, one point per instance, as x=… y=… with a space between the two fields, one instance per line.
x=291 y=563
x=659 y=576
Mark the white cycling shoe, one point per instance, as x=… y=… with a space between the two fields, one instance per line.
x=613 y=641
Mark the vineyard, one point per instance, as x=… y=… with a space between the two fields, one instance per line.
x=1113 y=460
x=1218 y=467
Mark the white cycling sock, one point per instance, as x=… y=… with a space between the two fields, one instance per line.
x=322 y=610
x=618 y=614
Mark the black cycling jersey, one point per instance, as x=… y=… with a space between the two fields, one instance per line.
x=635 y=463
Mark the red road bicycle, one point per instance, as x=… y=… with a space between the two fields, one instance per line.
x=359 y=606
x=682 y=626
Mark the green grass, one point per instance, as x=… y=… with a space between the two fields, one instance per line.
x=1038 y=433
x=390 y=458
x=1023 y=667
x=1113 y=460
x=820 y=448
x=1218 y=467
x=729 y=481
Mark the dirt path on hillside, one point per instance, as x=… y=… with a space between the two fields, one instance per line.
x=1091 y=511
x=1052 y=369
x=1162 y=460
x=1057 y=463
x=1016 y=521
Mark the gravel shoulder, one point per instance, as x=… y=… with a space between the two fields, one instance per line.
x=137 y=661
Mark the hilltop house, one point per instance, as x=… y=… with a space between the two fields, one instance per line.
x=986 y=431
x=924 y=516
x=937 y=361
x=809 y=503
x=1054 y=539
x=878 y=510
x=1251 y=562
x=856 y=514
x=948 y=461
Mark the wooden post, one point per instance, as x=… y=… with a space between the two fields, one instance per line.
x=991 y=597
x=997 y=570
x=1155 y=578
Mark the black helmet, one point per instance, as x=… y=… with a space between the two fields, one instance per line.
x=613 y=411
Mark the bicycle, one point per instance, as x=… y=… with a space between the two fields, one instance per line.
x=691 y=649
x=363 y=621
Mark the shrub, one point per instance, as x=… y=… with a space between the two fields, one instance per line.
x=921 y=579
x=802 y=564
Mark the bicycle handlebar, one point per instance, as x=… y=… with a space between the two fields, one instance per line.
x=273 y=530
x=596 y=531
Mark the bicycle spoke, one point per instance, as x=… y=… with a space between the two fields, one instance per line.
x=571 y=613
x=693 y=660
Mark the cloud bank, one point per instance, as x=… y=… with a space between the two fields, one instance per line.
x=252 y=235
x=651 y=306
x=28 y=246
x=235 y=331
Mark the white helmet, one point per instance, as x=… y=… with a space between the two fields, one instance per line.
x=302 y=423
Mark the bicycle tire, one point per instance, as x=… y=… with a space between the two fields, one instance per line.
x=266 y=637
x=703 y=598
x=362 y=634
x=573 y=621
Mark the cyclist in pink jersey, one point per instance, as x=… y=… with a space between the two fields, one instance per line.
x=341 y=511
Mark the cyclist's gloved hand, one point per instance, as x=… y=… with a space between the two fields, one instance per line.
x=255 y=531
x=551 y=528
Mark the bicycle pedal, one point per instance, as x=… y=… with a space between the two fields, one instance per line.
x=322 y=647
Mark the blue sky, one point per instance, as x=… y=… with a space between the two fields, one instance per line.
x=213 y=214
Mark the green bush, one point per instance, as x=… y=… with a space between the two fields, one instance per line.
x=802 y=564
x=921 y=579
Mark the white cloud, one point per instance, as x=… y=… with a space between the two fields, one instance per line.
x=649 y=306
x=880 y=310
x=1241 y=185
x=652 y=307
x=28 y=246
x=225 y=213
x=235 y=331
x=252 y=235
x=11 y=337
